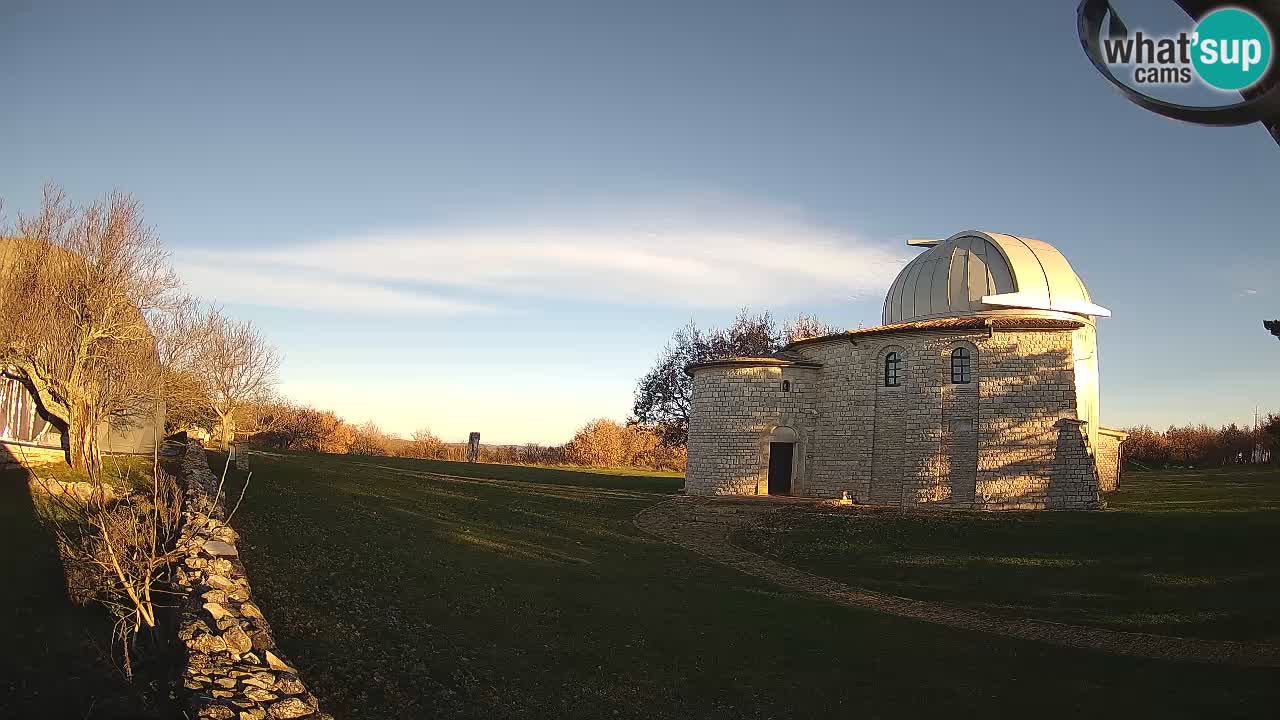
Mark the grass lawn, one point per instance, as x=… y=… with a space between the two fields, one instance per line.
x=405 y=595
x=658 y=481
x=56 y=660
x=1189 y=553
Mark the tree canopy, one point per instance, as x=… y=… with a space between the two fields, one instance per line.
x=664 y=394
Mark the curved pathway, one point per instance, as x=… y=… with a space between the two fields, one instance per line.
x=703 y=525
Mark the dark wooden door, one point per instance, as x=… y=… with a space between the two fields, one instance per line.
x=780 y=468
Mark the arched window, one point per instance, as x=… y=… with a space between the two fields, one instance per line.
x=892 y=370
x=961 y=366
x=786 y=386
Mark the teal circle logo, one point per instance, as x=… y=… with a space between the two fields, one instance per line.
x=1232 y=49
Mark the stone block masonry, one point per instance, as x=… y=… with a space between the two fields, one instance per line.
x=1011 y=438
x=1110 y=458
x=734 y=411
x=979 y=391
x=233 y=669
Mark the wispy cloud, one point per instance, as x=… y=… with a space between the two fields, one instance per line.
x=217 y=278
x=718 y=260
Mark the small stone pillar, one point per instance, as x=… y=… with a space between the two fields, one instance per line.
x=473 y=447
x=237 y=457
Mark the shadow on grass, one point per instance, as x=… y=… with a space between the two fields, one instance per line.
x=56 y=658
x=404 y=593
x=1187 y=555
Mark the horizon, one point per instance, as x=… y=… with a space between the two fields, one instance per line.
x=467 y=225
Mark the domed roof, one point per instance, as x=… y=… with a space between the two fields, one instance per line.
x=979 y=273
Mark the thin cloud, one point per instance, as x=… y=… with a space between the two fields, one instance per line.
x=725 y=261
x=301 y=290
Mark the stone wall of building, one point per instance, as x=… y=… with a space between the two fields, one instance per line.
x=915 y=444
x=735 y=411
x=1031 y=455
x=233 y=669
x=1109 y=459
x=1010 y=439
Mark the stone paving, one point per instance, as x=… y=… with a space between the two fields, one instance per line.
x=703 y=526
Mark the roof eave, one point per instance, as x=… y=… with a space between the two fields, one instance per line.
x=751 y=362
x=950 y=324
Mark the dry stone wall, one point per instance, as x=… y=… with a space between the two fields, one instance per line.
x=233 y=669
x=1010 y=439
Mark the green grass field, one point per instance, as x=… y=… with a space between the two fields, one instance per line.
x=403 y=595
x=1188 y=553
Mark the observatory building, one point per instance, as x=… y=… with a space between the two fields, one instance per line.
x=979 y=391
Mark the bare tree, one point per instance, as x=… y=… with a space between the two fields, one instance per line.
x=425 y=444
x=806 y=326
x=214 y=370
x=239 y=367
x=117 y=544
x=370 y=439
x=182 y=334
x=76 y=285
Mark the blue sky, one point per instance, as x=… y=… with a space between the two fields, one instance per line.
x=491 y=216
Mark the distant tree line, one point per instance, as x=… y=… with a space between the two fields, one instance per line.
x=1203 y=445
x=601 y=443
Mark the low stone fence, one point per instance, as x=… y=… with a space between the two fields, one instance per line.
x=232 y=670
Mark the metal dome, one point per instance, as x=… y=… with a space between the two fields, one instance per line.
x=979 y=273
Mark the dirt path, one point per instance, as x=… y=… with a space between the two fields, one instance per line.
x=703 y=526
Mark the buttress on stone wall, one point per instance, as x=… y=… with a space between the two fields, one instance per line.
x=1019 y=436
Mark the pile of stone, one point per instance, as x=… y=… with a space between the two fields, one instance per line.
x=233 y=670
x=72 y=491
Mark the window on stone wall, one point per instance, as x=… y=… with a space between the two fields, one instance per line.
x=961 y=366
x=892 y=370
x=786 y=386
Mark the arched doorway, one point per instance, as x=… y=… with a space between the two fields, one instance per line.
x=782 y=451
